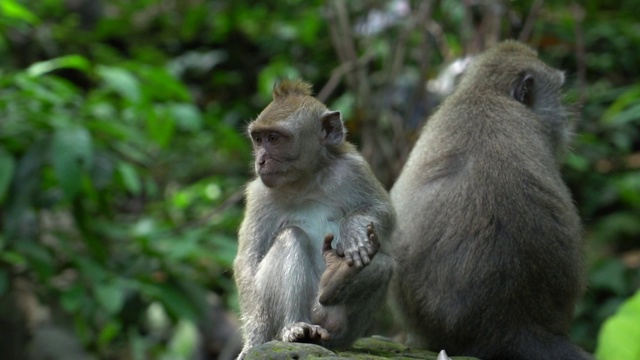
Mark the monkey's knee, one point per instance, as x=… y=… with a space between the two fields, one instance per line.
x=291 y=233
x=293 y=241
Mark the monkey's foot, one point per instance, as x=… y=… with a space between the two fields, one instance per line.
x=339 y=271
x=303 y=332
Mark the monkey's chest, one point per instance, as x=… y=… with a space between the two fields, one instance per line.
x=316 y=219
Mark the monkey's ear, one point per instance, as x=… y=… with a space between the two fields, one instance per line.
x=333 y=132
x=523 y=89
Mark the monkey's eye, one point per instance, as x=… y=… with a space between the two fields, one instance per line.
x=257 y=140
x=274 y=138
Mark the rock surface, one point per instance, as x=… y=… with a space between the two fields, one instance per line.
x=372 y=348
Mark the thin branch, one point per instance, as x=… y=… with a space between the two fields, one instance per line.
x=527 y=28
x=340 y=71
x=339 y=45
x=419 y=94
x=578 y=14
x=233 y=200
x=362 y=87
x=421 y=18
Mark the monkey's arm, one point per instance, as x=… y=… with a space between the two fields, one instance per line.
x=254 y=240
x=354 y=243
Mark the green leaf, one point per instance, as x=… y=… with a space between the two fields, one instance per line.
x=130 y=178
x=7 y=167
x=345 y=104
x=618 y=338
x=71 y=151
x=70 y=61
x=71 y=299
x=185 y=340
x=12 y=9
x=160 y=85
x=187 y=116
x=38 y=258
x=176 y=303
x=609 y=275
x=577 y=162
x=628 y=186
x=121 y=81
x=13 y=258
x=225 y=250
x=160 y=126
x=109 y=332
x=110 y=296
x=274 y=72
x=616 y=113
x=631 y=114
x=90 y=269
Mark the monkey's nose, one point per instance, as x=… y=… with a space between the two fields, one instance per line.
x=261 y=162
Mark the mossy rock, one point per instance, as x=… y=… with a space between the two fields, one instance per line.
x=372 y=348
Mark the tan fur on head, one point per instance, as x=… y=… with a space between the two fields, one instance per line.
x=288 y=87
x=513 y=46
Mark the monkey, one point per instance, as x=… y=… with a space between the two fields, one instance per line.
x=313 y=261
x=488 y=242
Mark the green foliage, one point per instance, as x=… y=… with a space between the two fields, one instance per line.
x=122 y=153
x=619 y=336
x=88 y=182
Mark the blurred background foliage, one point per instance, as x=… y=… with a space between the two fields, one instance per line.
x=123 y=155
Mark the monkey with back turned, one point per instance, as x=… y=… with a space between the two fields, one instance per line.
x=488 y=243
x=312 y=189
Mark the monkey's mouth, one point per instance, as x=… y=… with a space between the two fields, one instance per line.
x=270 y=178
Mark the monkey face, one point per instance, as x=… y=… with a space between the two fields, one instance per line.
x=293 y=137
x=273 y=156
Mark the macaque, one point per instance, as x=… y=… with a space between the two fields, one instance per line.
x=488 y=243
x=312 y=263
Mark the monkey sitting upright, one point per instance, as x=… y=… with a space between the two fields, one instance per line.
x=312 y=187
x=488 y=245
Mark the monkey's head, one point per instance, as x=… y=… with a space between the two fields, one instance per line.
x=513 y=71
x=294 y=136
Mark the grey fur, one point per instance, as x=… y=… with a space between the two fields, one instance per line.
x=327 y=187
x=488 y=245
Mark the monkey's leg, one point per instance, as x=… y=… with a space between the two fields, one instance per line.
x=349 y=296
x=340 y=270
x=287 y=280
x=349 y=318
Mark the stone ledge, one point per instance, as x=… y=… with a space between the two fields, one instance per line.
x=372 y=348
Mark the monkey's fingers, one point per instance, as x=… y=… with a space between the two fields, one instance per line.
x=353 y=258
x=327 y=250
x=318 y=332
x=326 y=245
x=340 y=249
x=375 y=243
x=364 y=255
x=371 y=229
x=324 y=334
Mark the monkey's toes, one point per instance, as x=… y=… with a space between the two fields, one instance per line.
x=303 y=332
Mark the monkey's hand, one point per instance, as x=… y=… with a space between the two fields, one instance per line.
x=339 y=272
x=357 y=246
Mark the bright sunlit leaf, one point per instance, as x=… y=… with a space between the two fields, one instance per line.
x=121 y=81
x=70 y=61
x=619 y=335
x=13 y=9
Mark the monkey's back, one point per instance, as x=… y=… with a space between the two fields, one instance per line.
x=483 y=211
